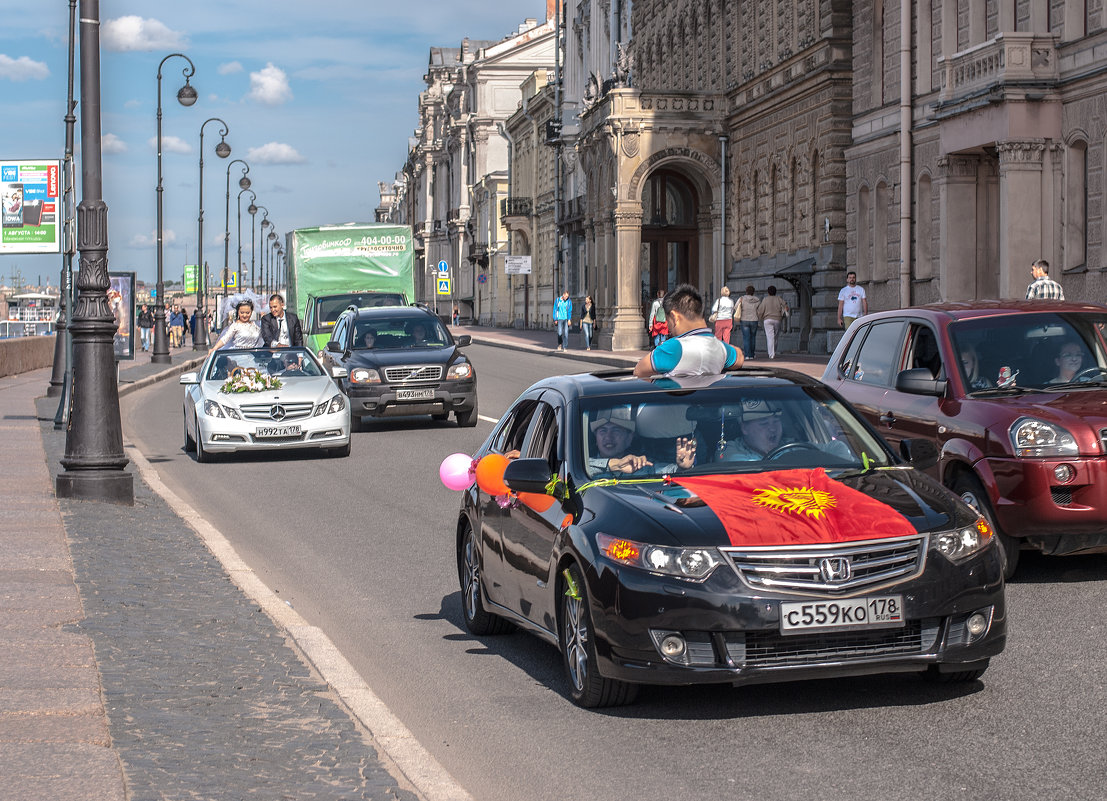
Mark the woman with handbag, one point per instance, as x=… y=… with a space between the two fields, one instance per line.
x=773 y=311
x=722 y=315
x=587 y=320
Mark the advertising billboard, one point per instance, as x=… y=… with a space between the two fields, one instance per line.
x=121 y=298
x=191 y=277
x=30 y=192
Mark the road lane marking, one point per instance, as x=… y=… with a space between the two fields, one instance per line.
x=393 y=738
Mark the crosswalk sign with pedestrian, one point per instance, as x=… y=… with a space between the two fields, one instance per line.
x=443 y=286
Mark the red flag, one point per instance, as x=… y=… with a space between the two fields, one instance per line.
x=794 y=507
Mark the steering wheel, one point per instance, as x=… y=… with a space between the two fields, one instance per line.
x=1089 y=372
x=780 y=450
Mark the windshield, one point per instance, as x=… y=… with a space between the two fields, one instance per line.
x=1035 y=350
x=329 y=308
x=288 y=363
x=400 y=333
x=734 y=430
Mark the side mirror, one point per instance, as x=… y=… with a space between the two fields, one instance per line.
x=339 y=372
x=527 y=475
x=463 y=340
x=190 y=378
x=334 y=347
x=920 y=381
x=920 y=453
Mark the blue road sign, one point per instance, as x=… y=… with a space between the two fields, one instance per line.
x=443 y=286
x=443 y=266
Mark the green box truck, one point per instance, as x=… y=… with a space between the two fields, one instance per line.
x=333 y=267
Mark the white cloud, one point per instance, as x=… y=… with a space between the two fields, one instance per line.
x=110 y=143
x=171 y=144
x=274 y=153
x=230 y=68
x=22 y=69
x=135 y=33
x=270 y=86
x=132 y=104
x=142 y=241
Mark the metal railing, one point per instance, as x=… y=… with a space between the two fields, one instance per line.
x=516 y=207
x=10 y=329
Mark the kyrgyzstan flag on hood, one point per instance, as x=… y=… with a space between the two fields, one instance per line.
x=794 y=507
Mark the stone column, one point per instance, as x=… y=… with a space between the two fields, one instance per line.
x=1021 y=213
x=958 y=224
x=628 y=329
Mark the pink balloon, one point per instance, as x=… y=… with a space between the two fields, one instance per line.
x=456 y=471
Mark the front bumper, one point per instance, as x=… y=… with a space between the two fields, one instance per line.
x=733 y=633
x=225 y=435
x=382 y=400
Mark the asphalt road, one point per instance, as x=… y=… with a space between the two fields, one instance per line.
x=363 y=548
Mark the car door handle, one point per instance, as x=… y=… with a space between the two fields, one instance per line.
x=888 y=419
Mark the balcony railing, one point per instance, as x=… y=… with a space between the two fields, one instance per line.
x=1008 y=58
x=516 y=207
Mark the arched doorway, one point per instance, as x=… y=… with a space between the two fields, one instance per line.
x=670 y=235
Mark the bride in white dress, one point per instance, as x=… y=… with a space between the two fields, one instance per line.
x=243 y=333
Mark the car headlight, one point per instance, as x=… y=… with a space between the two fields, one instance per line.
x=232 y=412
x=460 y=370
x=335 y=404
x=690 y=563
x=959 y=545
x=213 y=409
x=1031 y=437
x=364 y=375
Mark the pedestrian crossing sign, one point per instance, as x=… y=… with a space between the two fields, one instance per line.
x=231 y=281
x=443 y=286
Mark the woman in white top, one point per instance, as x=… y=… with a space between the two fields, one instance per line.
x=243 y=333
x=723 y=315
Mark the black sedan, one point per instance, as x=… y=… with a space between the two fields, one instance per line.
x=402 y=361
x=724 y=529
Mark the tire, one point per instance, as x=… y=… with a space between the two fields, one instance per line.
x=467 y=419
x=972 y=492
x=355 y=423
x=478 y=620
x=202 y=456
x=189 y=442
x=956 y=677
x=587 y=687
x=339 y=453
x=440 y=418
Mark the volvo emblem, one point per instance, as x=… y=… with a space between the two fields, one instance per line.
x=835 y=569
x=414 y=373
x=277 y=412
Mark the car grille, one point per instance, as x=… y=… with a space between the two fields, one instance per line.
x=1061 y=496
x=265 y=411
x=832 y=570
x=768 y=649
x=413 y=372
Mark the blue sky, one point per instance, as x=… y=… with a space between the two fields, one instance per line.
x=319 y=98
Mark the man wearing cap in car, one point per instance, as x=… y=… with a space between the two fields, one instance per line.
x=762 y=432
x=614 y=431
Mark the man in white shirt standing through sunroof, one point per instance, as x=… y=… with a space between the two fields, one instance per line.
x=691 y=348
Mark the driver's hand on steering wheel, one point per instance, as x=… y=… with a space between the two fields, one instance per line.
x=628 y=464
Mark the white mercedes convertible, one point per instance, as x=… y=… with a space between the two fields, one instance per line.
x=263 y=400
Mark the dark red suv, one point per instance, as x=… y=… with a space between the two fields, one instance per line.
x=1014 y=394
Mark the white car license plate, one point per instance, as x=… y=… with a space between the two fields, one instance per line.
x=415 y=394
x=885 y=612
x=277 y=431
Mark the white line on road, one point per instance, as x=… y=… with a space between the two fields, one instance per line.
x=410 y=758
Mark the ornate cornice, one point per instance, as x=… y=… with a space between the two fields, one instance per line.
x=1020 y=153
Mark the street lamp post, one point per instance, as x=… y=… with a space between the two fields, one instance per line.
x=253 y=209
x=269 y=270
x=94 y=462
x=186 y=96
x=253 y=197
x=243 y=183
x=200 y=341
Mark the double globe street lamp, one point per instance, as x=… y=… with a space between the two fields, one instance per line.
x=200 y=340
x=186 y=96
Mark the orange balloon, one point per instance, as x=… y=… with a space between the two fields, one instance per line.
x=538 y=502
x=490 y=473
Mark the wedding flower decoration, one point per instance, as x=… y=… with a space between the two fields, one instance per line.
x=249 y=379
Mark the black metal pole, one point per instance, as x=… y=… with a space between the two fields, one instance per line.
x=94 y=460
x=200 y=340
x=244 y=182
x=241 y=267
x=186 y=96
x=59 y=377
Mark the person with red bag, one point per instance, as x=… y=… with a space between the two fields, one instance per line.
x=655 y=323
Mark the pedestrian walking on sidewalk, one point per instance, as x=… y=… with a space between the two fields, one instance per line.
x=146 y=326
x=655 y=321
x=722 y=315
x=748 y=319
x=562 y=314
x=852 y=302
x=1043 y=287
x=587 y=321
x=773 y=310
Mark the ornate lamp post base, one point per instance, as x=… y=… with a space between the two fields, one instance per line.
x=109 y=486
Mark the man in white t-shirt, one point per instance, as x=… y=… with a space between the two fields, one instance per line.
x=852 y=302
x=692 y=349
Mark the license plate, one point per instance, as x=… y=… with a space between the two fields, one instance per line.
x=277 y=431
x=415 y=394
x=885 y=612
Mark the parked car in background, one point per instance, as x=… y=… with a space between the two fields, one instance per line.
x=724 y=557
x=264 y=400
x=402 y=361
x=1013 y=393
